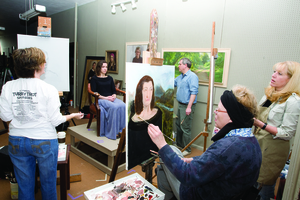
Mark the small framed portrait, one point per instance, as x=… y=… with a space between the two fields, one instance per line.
x=118 y=84
x=111 y=57
x=134 y=51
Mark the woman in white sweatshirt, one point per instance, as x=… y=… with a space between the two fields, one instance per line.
x=32 y=107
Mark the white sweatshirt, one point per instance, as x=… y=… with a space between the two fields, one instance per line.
x=32 y=106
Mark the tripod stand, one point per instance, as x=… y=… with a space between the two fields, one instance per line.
x=66 y=105
x=5 y=76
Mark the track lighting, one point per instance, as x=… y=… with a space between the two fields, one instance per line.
x=32 y=12
x=122 y=5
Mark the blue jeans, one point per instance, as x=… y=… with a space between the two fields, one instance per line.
x=24 y=154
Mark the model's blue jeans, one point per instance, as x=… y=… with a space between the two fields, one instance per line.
x=24 y=154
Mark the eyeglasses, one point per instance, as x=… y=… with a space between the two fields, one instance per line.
x=223 y=111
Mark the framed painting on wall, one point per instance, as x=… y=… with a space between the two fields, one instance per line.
x=89 y=62
x=200 y=59
x=131 y=47
x=118 y=84
x=111 y=57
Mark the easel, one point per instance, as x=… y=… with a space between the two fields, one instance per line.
x=147 y=166
x=120 y=150
x=5 y=75
x=4 y=78
x=207 y=120
x=66 y=106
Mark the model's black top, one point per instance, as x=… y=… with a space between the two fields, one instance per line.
x=104 y=86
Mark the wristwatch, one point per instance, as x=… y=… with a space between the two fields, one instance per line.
x=265 y=125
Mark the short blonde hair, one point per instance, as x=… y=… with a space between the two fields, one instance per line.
x=246 y=97
x=293 y=85
x=27 y=61
x=137 y=49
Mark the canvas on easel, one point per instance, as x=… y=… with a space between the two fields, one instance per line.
x=150 y=87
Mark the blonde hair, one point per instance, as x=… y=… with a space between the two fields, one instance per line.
x=27 y=61
x=293 y=85
x=137 y=49
x=246 y=97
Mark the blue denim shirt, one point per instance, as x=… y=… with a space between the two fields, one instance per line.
x=186 y=84
x=225 y=169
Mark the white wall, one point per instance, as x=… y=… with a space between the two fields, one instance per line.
x=260 y=33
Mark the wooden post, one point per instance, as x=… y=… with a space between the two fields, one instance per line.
x=213 y=53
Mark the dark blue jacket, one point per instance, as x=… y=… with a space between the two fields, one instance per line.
x=226 y=168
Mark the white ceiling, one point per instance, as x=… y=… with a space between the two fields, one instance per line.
x=10 y=10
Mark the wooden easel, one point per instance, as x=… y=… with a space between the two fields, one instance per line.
x=213 y=53
x=117 y=161
x=147 y=166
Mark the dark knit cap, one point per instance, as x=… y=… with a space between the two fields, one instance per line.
x=239 y=115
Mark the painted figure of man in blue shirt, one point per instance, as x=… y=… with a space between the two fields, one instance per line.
x=187 y=89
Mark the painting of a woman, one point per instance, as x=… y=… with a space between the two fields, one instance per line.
x=143 y=112
x=112 y=63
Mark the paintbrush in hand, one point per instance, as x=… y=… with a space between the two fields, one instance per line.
x=148 y=124
x=183 y=119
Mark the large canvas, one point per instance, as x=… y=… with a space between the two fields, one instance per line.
x=139 y=94
x=57 y=58
x=201 y=63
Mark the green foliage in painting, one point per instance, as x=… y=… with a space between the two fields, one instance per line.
x=200 y=63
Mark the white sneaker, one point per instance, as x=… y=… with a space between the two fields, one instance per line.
x=185 y=153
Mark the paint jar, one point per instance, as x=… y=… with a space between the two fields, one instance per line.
x=14 y=190
x=61 y=136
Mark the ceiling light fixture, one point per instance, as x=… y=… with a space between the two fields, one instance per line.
x=32 y=12
x=122 y=5
x=113 y=10
x=133 y=4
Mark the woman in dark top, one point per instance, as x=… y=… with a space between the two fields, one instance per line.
x=92 y=72
x=143 y=113
x=227 y=168
x=112 y=109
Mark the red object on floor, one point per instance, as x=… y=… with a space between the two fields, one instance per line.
x=88 y=116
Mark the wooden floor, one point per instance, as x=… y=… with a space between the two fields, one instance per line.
x=90 y=175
